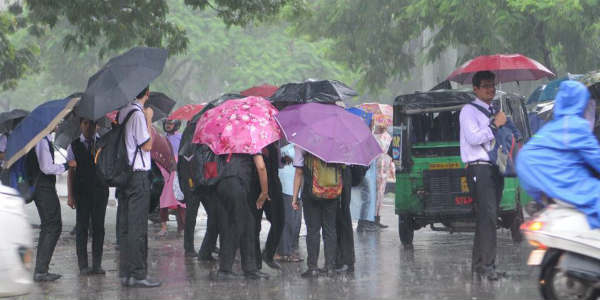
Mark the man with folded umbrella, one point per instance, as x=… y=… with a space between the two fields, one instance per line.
x=89 y=196
x=46 y=200
x=135 y=202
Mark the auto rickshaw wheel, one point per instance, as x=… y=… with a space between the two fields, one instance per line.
x=406 y=230
x=513 y=220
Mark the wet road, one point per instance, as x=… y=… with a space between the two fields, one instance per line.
x=437 y=268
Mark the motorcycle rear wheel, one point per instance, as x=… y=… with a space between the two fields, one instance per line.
x=555 y=284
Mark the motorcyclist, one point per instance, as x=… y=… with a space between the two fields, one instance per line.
x=561 y=159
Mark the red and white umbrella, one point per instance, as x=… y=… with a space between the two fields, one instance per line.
x=507 y=67
x=186 y=112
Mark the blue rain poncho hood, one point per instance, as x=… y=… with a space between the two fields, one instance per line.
x=561 y=158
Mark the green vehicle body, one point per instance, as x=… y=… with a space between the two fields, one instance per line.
x=431 y=186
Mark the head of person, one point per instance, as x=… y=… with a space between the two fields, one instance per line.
x=484 y=85
x=572 y=99
x=88 y=128
x=171 y=126
x=379 y=129
x=143 y=95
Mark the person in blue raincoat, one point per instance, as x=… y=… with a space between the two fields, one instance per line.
x=561 y=159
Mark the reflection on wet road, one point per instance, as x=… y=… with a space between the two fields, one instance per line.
x=437 y=268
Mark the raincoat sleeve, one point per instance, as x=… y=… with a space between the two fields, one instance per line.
x=473 y=133
x=587 y=146
x=47 y=165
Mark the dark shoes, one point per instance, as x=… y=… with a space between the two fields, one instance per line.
x=141 y=283
x=256 y=275
x=345 y=268
x=271 y=263
x=38 y=277
x=489 y=276
x=367 y=226
x=310 y=273
x=91 y=271
x=98 y=271
x=191 y=254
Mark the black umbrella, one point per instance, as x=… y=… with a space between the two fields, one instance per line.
x=324 y=91
x=10 y=119
x=161 y=104
x=120 y=80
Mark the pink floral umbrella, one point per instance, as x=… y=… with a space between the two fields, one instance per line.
x=244 y=125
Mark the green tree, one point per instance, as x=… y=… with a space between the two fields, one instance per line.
x=15 y=62
x=375 y=38
x=219 y=58
x=110 y=25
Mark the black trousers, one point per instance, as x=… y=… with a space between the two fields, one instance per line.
x=133 y=226
x=90 y=206
x=236 y=224
x=209 y=242
x=486 y=185
x=193 y=201
x=275 y=214
x=48 y=206
x=320 y=215
x=343 y=223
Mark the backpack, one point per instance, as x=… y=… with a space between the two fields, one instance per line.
x=24 y=174
x=505 y=146
x=325 y=179
x=208 y=168
x=112 y=163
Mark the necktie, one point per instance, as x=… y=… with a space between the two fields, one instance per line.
x=491 y=108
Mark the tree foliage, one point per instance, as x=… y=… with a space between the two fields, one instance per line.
x=219 y=58
x=376 y=38
x=110 y=25
x=15 y=62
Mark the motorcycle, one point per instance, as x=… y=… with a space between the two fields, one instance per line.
x=567 y=250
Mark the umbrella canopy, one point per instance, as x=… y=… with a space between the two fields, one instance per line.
x=330 y=133
x=161 y=104
x=186 y=112
x=507 y=67
x=324 y=91
x=120 y=80
x=244 y=125
x=39 y=123
x=265 y=91
x=162 y=152
x=383 y=114
x=10 y=119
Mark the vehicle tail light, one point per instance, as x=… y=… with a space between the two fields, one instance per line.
x=532 y=225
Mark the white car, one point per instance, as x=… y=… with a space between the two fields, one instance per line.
x=16 y=245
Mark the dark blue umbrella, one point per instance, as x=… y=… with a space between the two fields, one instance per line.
x=39 y=123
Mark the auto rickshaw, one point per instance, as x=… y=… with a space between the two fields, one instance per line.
x=431 y=187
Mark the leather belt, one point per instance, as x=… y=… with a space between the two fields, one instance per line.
x=478 y=162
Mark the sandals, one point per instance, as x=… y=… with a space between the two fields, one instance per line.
x=290 y=258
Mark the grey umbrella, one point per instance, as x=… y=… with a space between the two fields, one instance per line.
x=161 y=104
x=10 y=119
x=120 y=80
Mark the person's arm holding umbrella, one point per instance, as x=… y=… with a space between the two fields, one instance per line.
x=46 y=159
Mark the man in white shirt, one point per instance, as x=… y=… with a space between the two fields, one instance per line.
x=48 y=205
x=133 y=208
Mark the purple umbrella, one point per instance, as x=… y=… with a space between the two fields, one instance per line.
x=329 y=132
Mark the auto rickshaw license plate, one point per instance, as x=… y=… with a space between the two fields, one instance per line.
x=536 y=257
